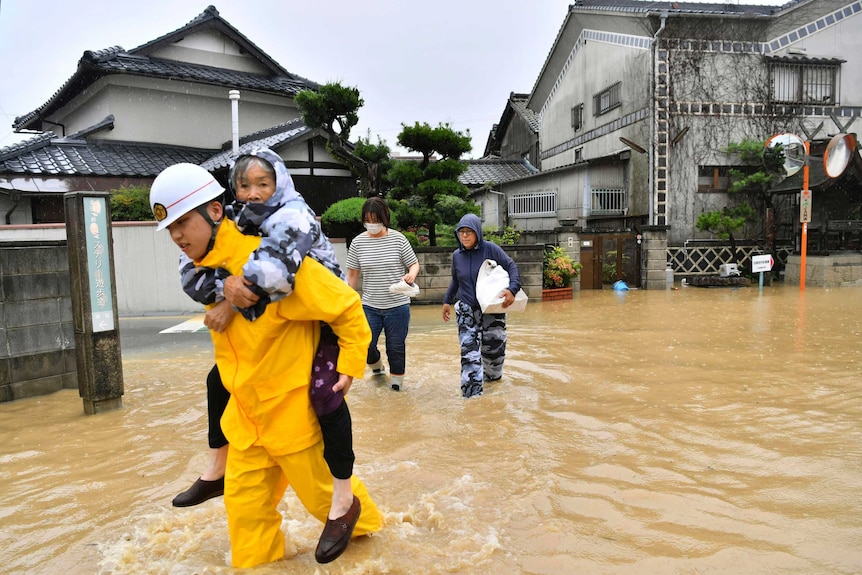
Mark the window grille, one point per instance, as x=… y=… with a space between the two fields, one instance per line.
x=608 y=201
x=804 y=82
x=533 y=204
x=577 y=117
x=607 y=99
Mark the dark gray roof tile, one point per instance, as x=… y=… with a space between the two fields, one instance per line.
x=47 y=155
x=480 y=172
x=270 y=138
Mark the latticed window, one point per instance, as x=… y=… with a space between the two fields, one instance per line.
x=533 y=204
x=607 y=99
x=798 y=81
x=577 y=117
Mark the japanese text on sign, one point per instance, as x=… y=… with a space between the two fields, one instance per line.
x=805 y=207
x=98 y=264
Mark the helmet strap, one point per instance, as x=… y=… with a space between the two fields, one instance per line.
x=202 y=210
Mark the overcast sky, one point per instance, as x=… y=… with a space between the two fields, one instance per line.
x=452 y=61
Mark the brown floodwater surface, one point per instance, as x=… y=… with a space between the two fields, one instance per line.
x=694 y=431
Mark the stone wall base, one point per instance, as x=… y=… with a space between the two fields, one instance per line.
x=835 y=270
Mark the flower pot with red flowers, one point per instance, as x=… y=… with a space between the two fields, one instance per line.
x=558 y=271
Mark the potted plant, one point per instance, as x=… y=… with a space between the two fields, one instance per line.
x=558 y=271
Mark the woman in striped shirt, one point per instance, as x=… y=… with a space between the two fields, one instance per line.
x=383 y=257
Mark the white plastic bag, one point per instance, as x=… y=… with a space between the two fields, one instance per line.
x=403 y=288
x=492 y=281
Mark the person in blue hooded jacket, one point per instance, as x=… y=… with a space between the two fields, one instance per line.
x=482 y=336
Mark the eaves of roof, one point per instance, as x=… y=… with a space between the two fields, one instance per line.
x=703 y=8
x=46 y=155
x=804 y=60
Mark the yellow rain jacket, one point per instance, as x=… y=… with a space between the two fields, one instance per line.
x=274 y=435
x=266 y=364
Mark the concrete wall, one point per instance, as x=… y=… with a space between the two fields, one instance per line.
x=37 y=336
x=435 y=271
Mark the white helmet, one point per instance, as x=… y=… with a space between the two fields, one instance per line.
x=179 y=189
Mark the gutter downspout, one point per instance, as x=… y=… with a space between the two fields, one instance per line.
x=15 y=199
x=61 y=126
x=652 y=105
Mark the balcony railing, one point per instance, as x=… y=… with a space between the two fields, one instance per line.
x=608 y=202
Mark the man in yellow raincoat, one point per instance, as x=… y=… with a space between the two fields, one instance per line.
x=274 y=435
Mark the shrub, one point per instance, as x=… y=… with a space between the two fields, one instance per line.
x=558 y=269
x=506 y=237
x=347 y=211
x=131 y=204
x=446 y=236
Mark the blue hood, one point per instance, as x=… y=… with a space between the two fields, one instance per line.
x=473 y=222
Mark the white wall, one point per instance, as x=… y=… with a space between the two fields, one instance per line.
x=145 y=263
x=168 y=112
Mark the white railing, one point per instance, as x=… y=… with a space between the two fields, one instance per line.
x=533 y=204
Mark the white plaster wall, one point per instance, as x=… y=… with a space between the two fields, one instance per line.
x=596 y=66
x=210 y=48
x=175 y=113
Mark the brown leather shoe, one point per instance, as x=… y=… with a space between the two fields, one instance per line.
x=336 y=534
x=200 y=491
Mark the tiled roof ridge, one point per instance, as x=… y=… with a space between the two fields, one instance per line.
x=272 y=130
x=494 y=161
x=102 y=55
x=24 y=146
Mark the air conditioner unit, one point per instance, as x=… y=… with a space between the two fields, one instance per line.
x=728 y=270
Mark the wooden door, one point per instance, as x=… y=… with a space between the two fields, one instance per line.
x=591 y=260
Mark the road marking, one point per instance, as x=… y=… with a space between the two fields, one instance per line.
x=194 y=325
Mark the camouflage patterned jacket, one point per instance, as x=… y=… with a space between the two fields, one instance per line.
x=290 y=231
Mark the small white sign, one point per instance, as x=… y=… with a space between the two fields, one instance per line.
x=805 y=207
x=762 y=263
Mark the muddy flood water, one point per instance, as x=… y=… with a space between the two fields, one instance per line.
x=694 y=431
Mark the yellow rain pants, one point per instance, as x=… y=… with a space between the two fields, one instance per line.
x=255 y=484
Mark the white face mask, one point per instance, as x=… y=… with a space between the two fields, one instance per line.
x=374 y=228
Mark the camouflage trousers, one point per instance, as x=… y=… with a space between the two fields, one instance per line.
x=483 y=347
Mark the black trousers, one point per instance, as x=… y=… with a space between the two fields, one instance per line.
x=336 y=427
